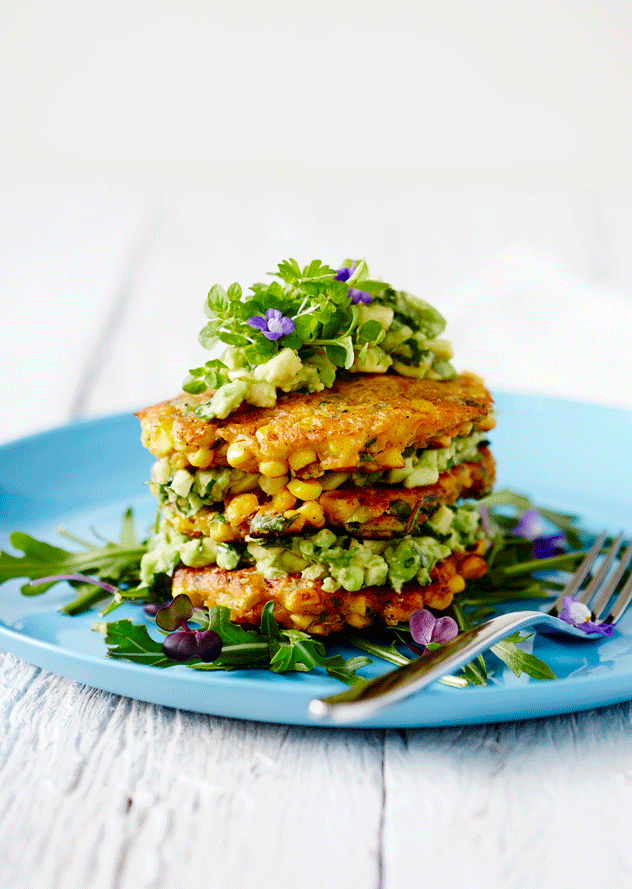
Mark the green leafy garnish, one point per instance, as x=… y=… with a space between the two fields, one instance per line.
x=271 y=646
x=115 y=562
x=513 y=574
x=328 y=319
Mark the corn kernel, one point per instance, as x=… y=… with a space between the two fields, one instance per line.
x=282 y=500
x=357 y=620
x=221 y=532
x=240 y=507
x=302 y=621
x=272 y=486
x=313 y=513
x=273 y=468
x=456 y=584
x=178 y=461
x=201 y=458
x=303 y=457
x=305 y=490
x=240 y=457
x=392 y=457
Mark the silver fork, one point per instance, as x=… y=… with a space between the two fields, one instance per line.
x=360 y=702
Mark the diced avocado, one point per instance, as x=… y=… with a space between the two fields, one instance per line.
x=228 y=556
x=441 y=520
x=281 y=370
x=351 y=578
x=182 y=482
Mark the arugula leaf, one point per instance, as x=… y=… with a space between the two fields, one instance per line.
x=520 y=661
x=117 y=563
x=132 y=642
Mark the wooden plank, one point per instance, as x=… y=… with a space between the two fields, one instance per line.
x=539 y=803
x=114 y=792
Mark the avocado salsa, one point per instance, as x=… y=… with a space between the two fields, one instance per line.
x=341 y=561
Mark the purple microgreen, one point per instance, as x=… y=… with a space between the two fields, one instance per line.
x=579 y=615
x=184 y=645
x=81 y=578
x=176 y=614
x=274 y=325
x=427 y=630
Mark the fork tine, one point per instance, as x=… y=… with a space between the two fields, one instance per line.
x=578 y=577
x=625 y=595
x=593 y=587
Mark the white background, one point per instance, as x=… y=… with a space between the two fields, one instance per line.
x=477 y=154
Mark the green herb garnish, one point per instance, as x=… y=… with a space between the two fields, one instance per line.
x=300 y=331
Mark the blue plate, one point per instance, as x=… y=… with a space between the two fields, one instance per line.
x=569 y=456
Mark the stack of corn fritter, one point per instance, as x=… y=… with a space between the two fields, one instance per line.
x=343 y=501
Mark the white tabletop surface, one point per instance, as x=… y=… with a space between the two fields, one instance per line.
x=103 y=281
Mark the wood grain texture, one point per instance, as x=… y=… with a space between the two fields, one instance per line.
x=115 y=792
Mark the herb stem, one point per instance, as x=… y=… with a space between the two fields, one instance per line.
x=82 y=603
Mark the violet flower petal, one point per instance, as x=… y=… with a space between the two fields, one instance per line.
x=359 y=296
x=273 y=315
x=287 y=325
x=445 y=629
x=258 y=322
x=485 y=520
x=529 y=525
x=578 y=615
x=422 y=623
x=345 y=273
x=544 y=547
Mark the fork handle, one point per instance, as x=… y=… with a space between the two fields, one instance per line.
x=361 y=701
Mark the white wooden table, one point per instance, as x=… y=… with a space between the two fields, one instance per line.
x=103 y=282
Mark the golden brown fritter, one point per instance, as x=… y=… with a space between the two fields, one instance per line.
x=375 y=512
x=363 y=422
x=303 y=604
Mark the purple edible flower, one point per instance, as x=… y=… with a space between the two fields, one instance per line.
x=274 y=325
x=357 y=296
x=578 y=615
x=426 y=629
x=530 y=527
x=345 y=272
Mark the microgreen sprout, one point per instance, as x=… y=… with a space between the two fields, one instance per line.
x=183 y=644
x=331 y=319
x=79 y=578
